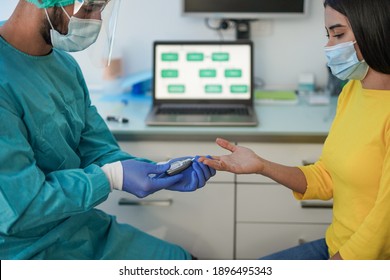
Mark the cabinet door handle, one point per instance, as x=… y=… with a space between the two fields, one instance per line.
x=307 y=162
x=131 y=202
x=301 y=241
x=316 y=204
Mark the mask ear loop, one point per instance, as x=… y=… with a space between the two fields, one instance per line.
x=363 y=60
x=66 y=13
x=48 y=19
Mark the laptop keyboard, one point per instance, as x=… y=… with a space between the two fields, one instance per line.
x=203 y=111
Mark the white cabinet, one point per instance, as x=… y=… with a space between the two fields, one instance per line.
x=268 y=218
x=274 y=203
x=260 y=239
x=202 y=222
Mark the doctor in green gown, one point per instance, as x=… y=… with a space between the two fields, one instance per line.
x=58 y=160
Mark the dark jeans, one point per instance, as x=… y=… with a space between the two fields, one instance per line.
x=314 y=250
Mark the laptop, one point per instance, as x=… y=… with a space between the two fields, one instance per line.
x=202 y=84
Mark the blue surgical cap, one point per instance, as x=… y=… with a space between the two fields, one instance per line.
x=51 y=3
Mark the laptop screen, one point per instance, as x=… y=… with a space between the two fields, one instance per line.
x=203 y=71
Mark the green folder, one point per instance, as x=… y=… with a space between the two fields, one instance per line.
x=275 y=97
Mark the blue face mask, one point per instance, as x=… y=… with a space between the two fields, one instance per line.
x=81 y=33
x=344 y=63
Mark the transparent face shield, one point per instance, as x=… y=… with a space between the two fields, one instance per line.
x=107 y=11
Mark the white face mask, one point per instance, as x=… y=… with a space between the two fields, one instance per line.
x=344 y=63
x=81 y=34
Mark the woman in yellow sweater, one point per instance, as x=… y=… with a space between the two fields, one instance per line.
x=354 y=168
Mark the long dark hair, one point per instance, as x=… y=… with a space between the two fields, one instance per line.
x=370 y=23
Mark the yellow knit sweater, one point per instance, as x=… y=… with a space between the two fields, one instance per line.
x=354 y=170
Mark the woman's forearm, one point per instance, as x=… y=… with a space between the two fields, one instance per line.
x=291 y=177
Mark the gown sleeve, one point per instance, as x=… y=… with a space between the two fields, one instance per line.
x=98 y=145
x=33 y=201
x=28 y=197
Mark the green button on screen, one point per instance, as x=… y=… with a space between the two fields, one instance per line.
x=195 y=56
x=239 y=89
x=176 y=89
x=213 y=89
x=233 y=73
x=170 y=57
x=220 y=56
x=169 y=73
x=208 y=73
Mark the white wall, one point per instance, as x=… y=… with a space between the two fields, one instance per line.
x=6 y=8
x=283 y=48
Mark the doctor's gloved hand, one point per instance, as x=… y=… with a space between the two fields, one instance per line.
x=139 y=178
x=194 y=177
x=143 y=178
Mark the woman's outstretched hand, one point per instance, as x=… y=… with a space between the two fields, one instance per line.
x=241 y=160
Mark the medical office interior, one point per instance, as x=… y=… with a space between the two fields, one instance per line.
x=232 y=217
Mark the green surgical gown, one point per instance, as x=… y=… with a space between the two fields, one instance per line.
x=52 y=145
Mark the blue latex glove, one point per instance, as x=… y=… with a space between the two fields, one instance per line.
x=194 y=177
x=142 y=178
